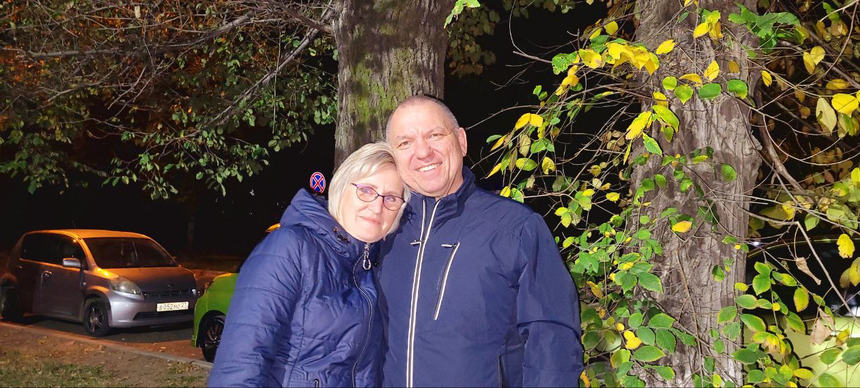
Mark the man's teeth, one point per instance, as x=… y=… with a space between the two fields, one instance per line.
x=428 y=168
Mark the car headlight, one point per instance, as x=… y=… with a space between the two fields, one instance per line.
x=122 y=284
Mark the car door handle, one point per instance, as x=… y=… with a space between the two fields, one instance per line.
x=46 y=274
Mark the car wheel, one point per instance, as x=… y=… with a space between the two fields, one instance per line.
x=96 y=321
x=212 y=330
x=10 y=308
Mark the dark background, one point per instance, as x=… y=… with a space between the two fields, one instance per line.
x=233 y=224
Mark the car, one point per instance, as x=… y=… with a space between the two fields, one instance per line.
x=211 y=311
x=104 y=279
x=782 y=255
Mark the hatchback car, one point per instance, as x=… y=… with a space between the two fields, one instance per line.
x=211 y=310
x=104 y=279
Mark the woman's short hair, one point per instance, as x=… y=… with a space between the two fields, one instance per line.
x=362 y=163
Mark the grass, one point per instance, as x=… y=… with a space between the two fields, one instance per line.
x=17 y=370
x=176 y=376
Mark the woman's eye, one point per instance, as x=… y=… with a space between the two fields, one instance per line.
x=367 y=190
x=390 y=199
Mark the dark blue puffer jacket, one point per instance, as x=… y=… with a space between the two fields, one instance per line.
x=474 y=293
x=304 y=311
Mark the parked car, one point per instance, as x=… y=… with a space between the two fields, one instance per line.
x=211 y=310
x=104 y=279
x=783 y=255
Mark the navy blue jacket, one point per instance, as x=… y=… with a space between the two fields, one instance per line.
x=304 y=311
x=473 y=292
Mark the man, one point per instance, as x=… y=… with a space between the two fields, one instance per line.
x=473 y=291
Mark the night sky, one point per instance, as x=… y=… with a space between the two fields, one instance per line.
x=233 y=224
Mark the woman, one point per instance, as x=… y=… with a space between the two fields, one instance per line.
x=304 y=310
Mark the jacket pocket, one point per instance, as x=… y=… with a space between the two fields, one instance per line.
x=445 y=278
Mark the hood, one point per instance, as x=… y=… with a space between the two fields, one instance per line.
x=158 y=279
x=311 y=212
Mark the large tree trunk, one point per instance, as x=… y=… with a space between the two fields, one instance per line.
x=691 y=294
x=388 y=50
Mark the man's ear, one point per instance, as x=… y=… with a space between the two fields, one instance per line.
x=461 y=138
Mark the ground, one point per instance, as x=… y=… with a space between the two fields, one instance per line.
x=34 y=359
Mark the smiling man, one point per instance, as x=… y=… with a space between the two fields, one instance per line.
x=473 y=291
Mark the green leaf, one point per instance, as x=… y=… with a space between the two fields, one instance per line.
x=801 y=299
x=753 y=322
x=810 y=222
x=646 y=335
x=635 y=320
x=829 y=356
x=667 y=116
x=651 y=145
x=660 y=321
x=726 y=314
x=670 y=83
x=761 y=283
x=827 y=380
x=733 y=331
x=667 y=373
x=526 y=164
x=729 y=173
x=745 y=356
x=746 y=301
x=710 y=91
x=666 y=340
x=648 y=354
x=660 y=180
x=650 y=282
x=795 y=323
x=852 y=355
x=738 y=88
x=684 y=92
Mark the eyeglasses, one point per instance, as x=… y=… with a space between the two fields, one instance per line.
x=368 y=194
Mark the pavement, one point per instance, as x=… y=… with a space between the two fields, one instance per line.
x=107 y=344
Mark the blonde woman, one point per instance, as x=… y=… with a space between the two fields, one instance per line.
x=304 y=310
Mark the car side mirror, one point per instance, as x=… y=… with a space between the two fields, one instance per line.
x=71 y=262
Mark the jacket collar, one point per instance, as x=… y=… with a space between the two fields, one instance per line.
x=311 y=212
x=449 y=206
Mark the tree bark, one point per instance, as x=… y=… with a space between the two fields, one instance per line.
x=388 y=50
x=691 y=294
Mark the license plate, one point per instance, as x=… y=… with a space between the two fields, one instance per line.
x=173 y=306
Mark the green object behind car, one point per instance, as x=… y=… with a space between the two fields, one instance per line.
x=210 y=312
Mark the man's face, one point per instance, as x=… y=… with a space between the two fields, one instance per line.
x=429 y=154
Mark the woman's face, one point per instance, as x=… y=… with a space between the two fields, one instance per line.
x=370 y=221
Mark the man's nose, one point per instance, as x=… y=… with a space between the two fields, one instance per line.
x=423 y=149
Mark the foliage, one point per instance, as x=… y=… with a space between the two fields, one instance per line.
x=601 y=191
x=172 y=90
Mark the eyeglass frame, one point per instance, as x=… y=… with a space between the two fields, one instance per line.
x=359 y=187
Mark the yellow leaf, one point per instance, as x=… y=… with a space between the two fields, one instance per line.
x=734 y=67
x=638 y=125
x=694 y=78
x=687 y=2
x=627 y=152
x=803 y=373
x=570 y=80
x=845 y=103
x=591 y=58
x=536 y=120
x=766 y=77
x=799 y=95
x=817 y=54
x=596 y=33
x=499 y=142
x=788 y=208
x=846 y=246
x=652 y=64
x=595 y=289
x=712 y=71
x=522 y=121
x=701 y=30
x=666 y=47
x=633 y=343
x=855 y=176
x=838 y=84
x=506 y=192
x=613 y=196
x=716 y=31
x=588 y=192
x=714 y=17
x=611 y=28
x=682 y=226
x=619 y=326
x=805 y=112
x=495 y=170
x=547 y=165
x=661 y=99
x=812 y=58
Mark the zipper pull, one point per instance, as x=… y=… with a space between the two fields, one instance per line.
x=365 y=262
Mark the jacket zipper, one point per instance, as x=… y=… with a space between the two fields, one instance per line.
x=365 y=259
x=416 y=283
x=445 y=278
x=317 y=383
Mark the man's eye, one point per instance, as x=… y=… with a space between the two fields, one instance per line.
x=404 y=144
x=436 y=135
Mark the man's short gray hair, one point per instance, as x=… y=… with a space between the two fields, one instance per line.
x=422 y=99
x=362 y=163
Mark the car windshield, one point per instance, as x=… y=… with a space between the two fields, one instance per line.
x=128 y=253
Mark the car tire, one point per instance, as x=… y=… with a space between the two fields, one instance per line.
x=211 y=332
x=96 y=318
x=10 y=307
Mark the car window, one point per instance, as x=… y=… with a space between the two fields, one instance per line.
x=69 y=248
x=112 y=252
x=43 y=247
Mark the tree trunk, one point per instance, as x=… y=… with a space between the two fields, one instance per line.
x=388 y=50
x=691 y=294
